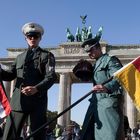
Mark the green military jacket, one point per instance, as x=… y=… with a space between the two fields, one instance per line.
x=39 y=71
x=103 y=119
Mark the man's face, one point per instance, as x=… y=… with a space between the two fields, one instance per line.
x=33 y=40
x=94 y=53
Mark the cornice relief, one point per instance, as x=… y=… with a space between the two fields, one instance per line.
x=73 y=50
x=128 y=46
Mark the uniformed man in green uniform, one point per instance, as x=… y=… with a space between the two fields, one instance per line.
x=104 y=117
x=34 y=71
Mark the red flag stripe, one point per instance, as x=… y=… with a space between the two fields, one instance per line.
x=136 y=63
x=4 y=101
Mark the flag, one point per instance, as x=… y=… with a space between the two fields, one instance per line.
x=129 y=78
x=5 y=108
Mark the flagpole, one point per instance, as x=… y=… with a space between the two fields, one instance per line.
x=67 y=109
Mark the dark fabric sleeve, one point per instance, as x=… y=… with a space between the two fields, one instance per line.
x=10 y=74
x=50 y=75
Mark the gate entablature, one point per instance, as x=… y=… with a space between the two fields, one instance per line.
x=69 y=53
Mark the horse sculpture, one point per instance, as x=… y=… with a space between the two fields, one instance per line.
x=78 y=35
x=89 y=33
x=70 y=36
x=84 y=34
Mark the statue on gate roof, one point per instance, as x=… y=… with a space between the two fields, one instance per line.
x=80 y=36
x=70 y=36
x=83 y=19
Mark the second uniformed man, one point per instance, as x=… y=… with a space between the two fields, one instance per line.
x=34 y=71
x=104 y=117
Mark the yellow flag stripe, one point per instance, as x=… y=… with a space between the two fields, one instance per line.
x=129 y=78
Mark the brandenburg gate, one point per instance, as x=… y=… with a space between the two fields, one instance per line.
x=67 y=55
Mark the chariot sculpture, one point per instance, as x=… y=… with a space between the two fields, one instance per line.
x=80 y=35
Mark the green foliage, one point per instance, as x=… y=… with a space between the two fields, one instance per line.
x=50 y=115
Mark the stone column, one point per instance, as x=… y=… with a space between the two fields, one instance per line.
x=131 y=112
x=64 y=99
x=68 y=99
x=125 y=104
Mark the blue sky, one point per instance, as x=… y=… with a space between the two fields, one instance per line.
x=120 y=19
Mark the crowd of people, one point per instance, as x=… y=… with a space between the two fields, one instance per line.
x=133 y=134
x=71 y=132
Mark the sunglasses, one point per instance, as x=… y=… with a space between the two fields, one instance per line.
x=33 y=36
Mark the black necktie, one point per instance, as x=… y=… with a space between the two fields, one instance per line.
x=29 y=55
